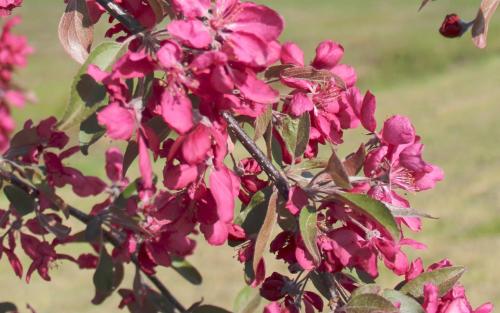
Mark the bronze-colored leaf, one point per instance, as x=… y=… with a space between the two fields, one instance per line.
x=337 y=171
x=159 y=8
x=262 y=122
x=266 y=230
x=481 y=22
x=311 y=74
x=275 y=70
x=308 y=230
x=354 y=161
x=76 y=31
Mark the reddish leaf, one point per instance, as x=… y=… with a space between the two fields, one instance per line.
x=76 y=31
x=309 y=73
x=337 y=171
x=354 y=162
x=266 y=230
x=481 y=22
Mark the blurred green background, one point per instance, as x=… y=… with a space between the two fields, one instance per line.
x=449 y=89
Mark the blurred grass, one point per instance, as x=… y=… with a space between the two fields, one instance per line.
x=448 y=88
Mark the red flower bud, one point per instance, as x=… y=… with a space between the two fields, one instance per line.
x=452 y=26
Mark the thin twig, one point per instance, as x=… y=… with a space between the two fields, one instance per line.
x=85 y=218
x=279 y=180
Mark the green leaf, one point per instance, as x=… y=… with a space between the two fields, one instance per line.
x=295 y=133
x=20 y=200
x=186 y=270
x=265 y=231
x=373 y=208
x=406 y=304
x=311 y=164
x=90 y=133
x=247 y=300
x=406 y=212
x=8 y=307
x=130 y=155
x=251 y=217
x=308 y=231
x=86 y=94
x=336 y=170
x=303 y=130
x=443 y=278
x=209 y=309
x=93 y=230
x=107 y=276
x=367 y=289
x=275 y=150
x=369 y=303
x=320 y=282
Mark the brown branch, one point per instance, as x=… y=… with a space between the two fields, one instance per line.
x=85 y=218
x=125 y=18
x=279 y=180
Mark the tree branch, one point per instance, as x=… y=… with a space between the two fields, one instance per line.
x=85 y=218
x=127 y=20
x=279 y=180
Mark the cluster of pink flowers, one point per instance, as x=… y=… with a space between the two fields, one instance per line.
x=212 y=58
x=13 y=53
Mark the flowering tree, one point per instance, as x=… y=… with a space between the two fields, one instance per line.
x=180 y=94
